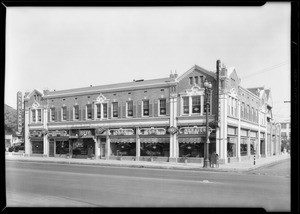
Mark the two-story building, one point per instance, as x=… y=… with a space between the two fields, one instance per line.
x=160 y=119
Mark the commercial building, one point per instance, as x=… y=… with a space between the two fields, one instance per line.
x=159 y=119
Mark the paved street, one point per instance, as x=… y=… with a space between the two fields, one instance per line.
x=52 y=184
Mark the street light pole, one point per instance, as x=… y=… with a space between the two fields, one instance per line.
x=207 y=88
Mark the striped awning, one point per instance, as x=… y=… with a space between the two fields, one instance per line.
x=123 y=140
x=190 y=140
x=155 y=140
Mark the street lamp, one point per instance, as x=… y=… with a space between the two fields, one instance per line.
x=207 y=87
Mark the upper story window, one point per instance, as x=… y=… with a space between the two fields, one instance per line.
x=104 y=110
x=76 y=112
x=129 y=108
x=242 y=110
x=52 y=113
x=115 y=109
x=64 y=113
x=283 y=125
x=191 y=80
x=196 y=80
x=162 y=107
x=201 y=81
x=196 y=104
x=248 y=112
x=145 y=107
x=89 y=111
x=232 y=106
x=39 y=112
x=98 y=107
x=33 y=117
x=186 y=105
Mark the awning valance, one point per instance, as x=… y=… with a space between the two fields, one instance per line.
x=155 y=140
x=60 y=138
x=123 y=140
x=190 y=140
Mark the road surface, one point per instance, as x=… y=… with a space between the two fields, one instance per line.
x=62 y=185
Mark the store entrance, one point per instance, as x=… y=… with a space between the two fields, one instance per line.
x=102 y=147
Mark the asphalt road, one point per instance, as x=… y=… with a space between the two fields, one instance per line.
x=61 y=185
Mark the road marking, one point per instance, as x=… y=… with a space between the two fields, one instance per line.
x=111 y=176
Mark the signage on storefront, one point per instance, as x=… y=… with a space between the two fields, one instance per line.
x=194 y=130
x=153 y=131
x=122 y=131
x=35 y=133
x=172 y=130
x=58 y=133
x=100 y=130
x=85 y=133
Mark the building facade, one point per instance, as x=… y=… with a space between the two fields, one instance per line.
x=160 y=119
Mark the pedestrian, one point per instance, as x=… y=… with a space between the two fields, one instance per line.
x=217 y=160
x=212 y=159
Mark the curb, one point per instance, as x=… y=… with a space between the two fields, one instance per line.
x=268 y=164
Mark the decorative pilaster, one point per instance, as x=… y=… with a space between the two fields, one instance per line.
x=138 y=145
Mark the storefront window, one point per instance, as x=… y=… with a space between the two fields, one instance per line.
x=231 y=146
x=146 y=107
x=129 y=108
x=162 y=106
x=115 y=109
x=196 y=104
x=252 y=146
x=155 y=149
x=37 y=147
x=186 y=106
x=244 y=146
x=123 y=149
x=195 y=150
x=62 y=147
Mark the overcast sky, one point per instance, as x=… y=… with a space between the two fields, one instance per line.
x=63 y=48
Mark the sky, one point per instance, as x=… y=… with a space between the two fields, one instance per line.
x=63 y=48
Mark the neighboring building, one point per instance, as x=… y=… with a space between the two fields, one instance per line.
x=161 y=118
x=285 y=129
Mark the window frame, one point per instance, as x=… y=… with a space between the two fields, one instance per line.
x=143 y=108
x=192 y=97
x=188 y=105
x=160 y=107
x=129 y=104
x=64 y=108
x=113 y=105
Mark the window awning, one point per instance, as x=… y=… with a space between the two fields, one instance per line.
x=155 y=140
x=190 y=140
x=123 y=140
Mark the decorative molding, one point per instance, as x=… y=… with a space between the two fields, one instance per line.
x=35 y=105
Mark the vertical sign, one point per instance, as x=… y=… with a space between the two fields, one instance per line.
x=19 y=112
x=218 y=92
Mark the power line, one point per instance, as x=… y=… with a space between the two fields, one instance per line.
x=267 y=69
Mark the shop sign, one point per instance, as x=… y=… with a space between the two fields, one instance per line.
x=35 y=133
x=172 y=130
x=100 y=130
x=85 y=133
x=194 y=130
x=153 y=131
x=122 y=131
x=58 y=133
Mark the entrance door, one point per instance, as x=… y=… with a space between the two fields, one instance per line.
x=51 y=149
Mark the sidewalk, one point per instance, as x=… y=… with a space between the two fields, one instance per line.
x=230 y=167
